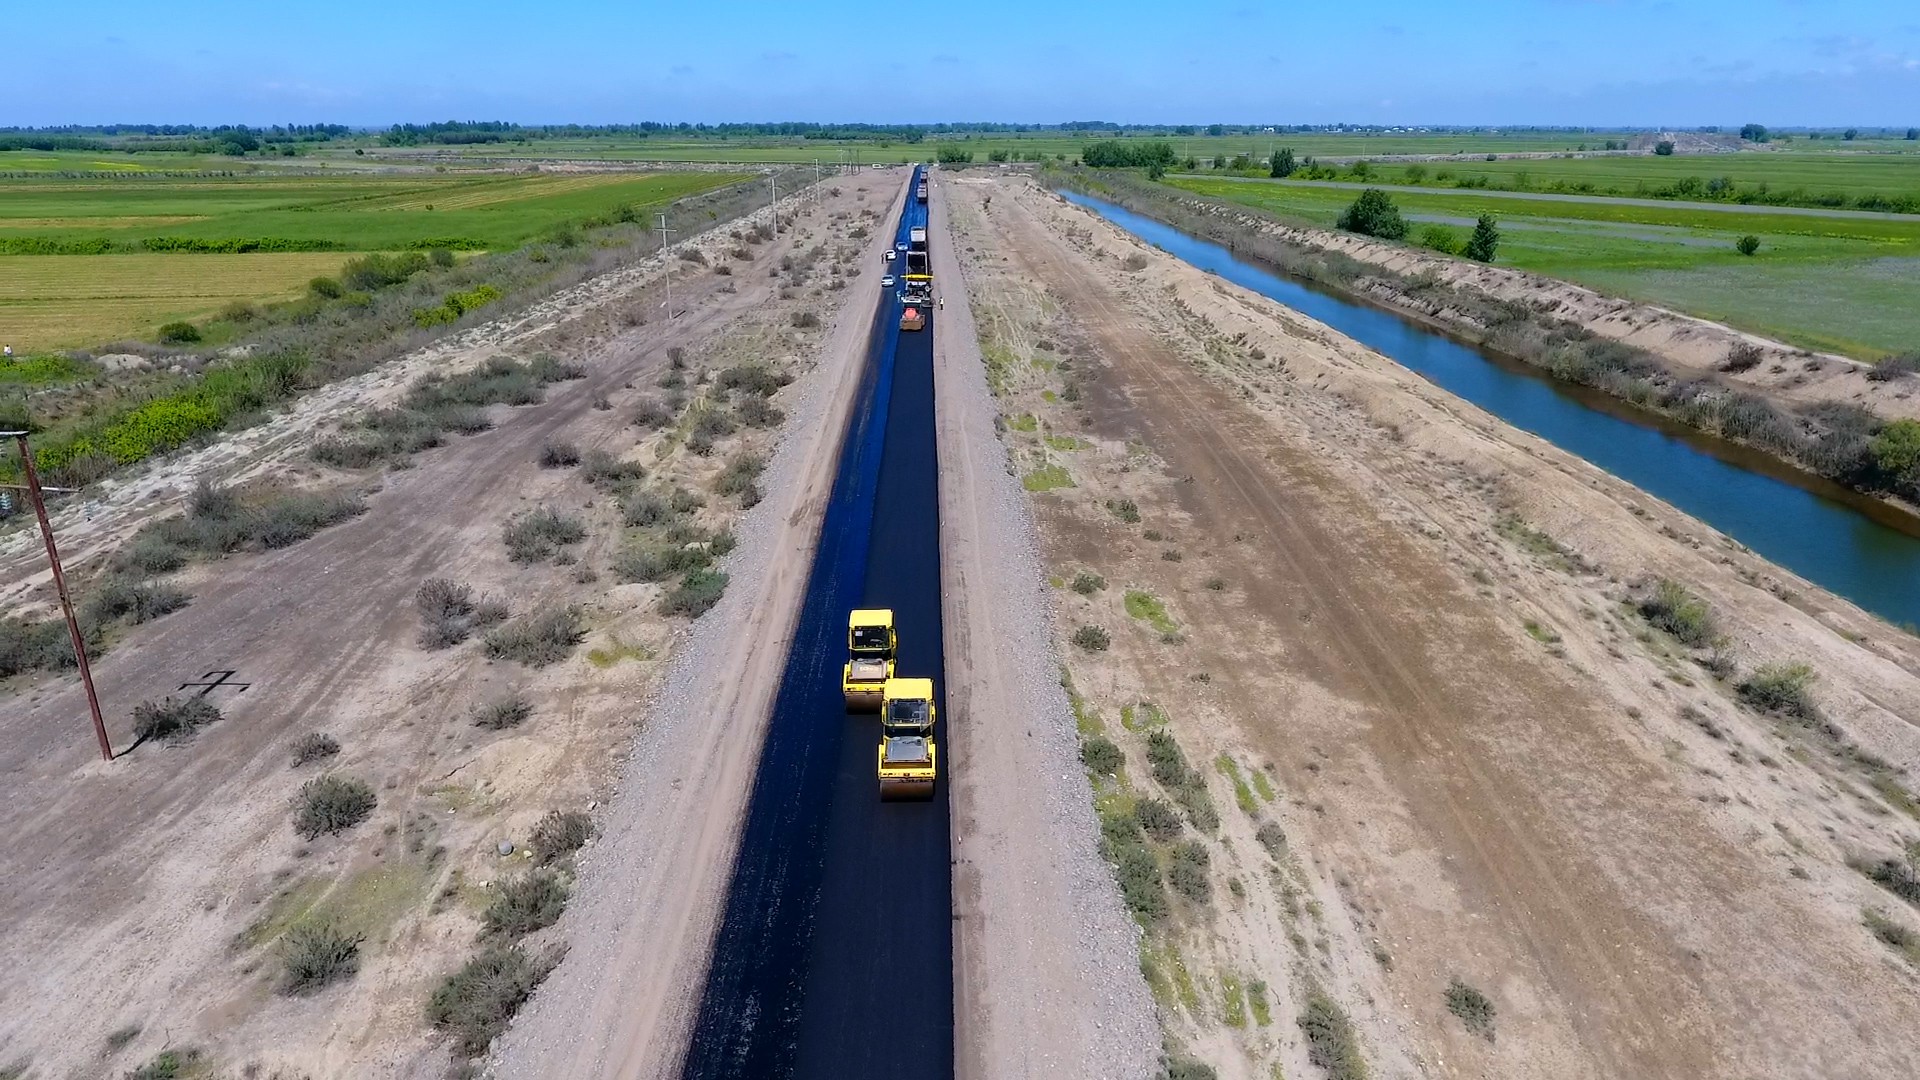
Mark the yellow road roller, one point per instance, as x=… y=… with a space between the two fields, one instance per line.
x=870 y=645
x=907 y=760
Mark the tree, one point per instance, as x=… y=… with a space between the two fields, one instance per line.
x=1913 y=134
x=1362 y=169
x=1191 y=164
x=1896 y=450
x=953 y=155
x=1219 y=161
x=1282 y=164
x=1373 y=214
x=1850 y=134
x=1127 y=154
x=1747 y=245
x=1241 y=162
x=1484 y=241
x=1754 y=133
x=1664 y=148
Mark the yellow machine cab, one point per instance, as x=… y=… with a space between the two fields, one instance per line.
x=907 y=760
x=870 y=646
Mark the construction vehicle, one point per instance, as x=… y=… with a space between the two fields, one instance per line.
x=907 y=761
x=870 y=645
x=913 y=318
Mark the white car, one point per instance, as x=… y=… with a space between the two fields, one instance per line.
x=888 y=257
x=887 y=282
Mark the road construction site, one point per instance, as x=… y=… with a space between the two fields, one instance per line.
x=1284 y=713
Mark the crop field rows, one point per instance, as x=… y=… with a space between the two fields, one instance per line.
x=67 y=300
x=1846 y=284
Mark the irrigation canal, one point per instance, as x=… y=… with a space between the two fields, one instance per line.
x=1855 y=546
x=834 y=956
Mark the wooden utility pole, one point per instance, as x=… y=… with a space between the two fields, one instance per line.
x=60 y=585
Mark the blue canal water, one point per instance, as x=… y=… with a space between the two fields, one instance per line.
x=1846 y=543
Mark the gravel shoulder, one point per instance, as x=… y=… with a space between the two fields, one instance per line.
x=1046 y=965
x=641 y=931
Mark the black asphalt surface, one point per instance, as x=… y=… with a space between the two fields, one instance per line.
x=834 y=957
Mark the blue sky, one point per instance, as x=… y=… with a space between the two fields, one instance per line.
x=1630 y=62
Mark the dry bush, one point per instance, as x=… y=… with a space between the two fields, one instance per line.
x=331 y=804
x=172 y=720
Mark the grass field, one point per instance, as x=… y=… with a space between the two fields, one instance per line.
x=64 y=301
x=1841 y=178
x=1849 y=285
x=354 y=213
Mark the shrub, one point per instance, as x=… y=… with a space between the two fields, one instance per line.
x=757 y=412
x=316 y=954
x=1100 y=755
x=475 y=1003
x=1169 y=765
x=1092 y=638
x=741 y=471
x=1781 y=689
x=1897 y=876
x=650 y=564
x=168 y=1065
x=1139 y=877
x=1663 y=148
x=1373 y=214
x=757 y=379
x=1086 y=584
x=1895 y=367
x=1135 y=261
x=500 y=715
x=1187 y=872
x=118 y=597
x=537 y=640
x=805 y=320
x=1747 y=245
x=1440 y=238
x=172 y=720
x=1671 y=607
x=555 y=454
x=1124 y=509
x=179 y=333
x=605 y=471
x=645 y=508
x=325 y=287
x=441 y=598
x=560 y=834
x=1272 y=837
x=695 y=595
x=532 y=901
x=331 y=804
x=1896 y=451
x=1331 y=1043
x=1158 y=819
x=1744 y=356
x=1473 y=1008
x=539 y=535
x=314 y=746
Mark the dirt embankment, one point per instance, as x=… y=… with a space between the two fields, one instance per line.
x=1399 y=768
x=152 y=895
x=1692 y=348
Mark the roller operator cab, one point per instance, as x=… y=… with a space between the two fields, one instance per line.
x=907 y=761
x=870 y=645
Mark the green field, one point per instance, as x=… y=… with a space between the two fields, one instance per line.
x=352 y=213
x=1838 y=180
x=1846 y=284
x=64 y=300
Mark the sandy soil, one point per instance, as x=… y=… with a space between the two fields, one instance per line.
x=1691 y=347
x=145 y=893
x=1046 y=973
x=641 y=933
x=1411 y=625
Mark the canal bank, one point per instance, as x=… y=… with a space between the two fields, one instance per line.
x=1858 y=547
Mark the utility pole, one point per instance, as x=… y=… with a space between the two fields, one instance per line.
x=774 y=183
x=60 y=586
x=664 y=233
